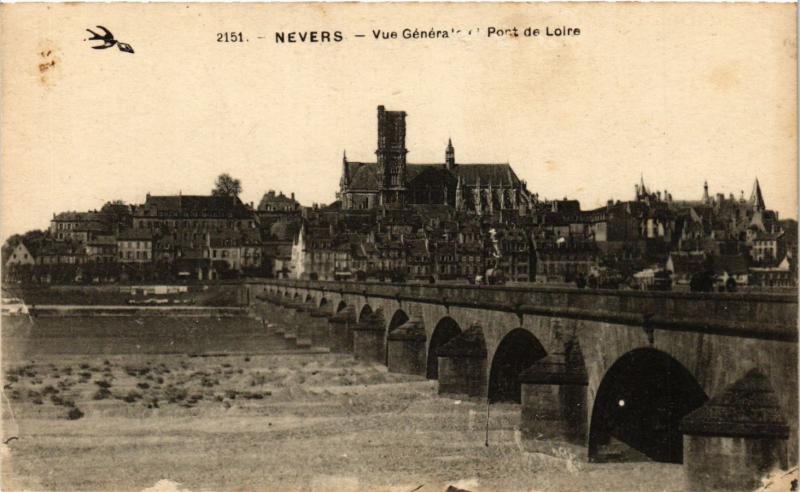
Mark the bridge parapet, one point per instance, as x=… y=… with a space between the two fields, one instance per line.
x=766 y=316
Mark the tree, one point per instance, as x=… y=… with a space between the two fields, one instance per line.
x=227 y=186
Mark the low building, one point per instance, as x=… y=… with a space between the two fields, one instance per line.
x=102 y=249
x=682 y=266
x=135 y=246
x=20 y=255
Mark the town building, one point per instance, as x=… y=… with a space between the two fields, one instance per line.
x=135 y=246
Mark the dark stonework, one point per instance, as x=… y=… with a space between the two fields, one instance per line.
x=298 y=321
x=554 y=405
x=406 y=349
x=319 y=327
x=391 y=156
x=736 y=438
x=340 y=331
x=368 y=340
x=462 y=364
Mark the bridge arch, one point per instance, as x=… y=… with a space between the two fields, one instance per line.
x=309 y=298
x=638 y=408
x=365 y=311
x=398 y=319
x=517 y=351
x=341 y=306
x=446 y=329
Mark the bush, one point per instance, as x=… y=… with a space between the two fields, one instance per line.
x=74 y=414
x=132 y=396
x=174 y=394
x=103 y=384
x=102 y=394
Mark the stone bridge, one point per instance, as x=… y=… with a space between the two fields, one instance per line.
x=708 y=380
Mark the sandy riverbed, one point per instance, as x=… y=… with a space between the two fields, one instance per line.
x=259 y=417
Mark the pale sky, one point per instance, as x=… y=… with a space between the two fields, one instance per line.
x=678 y=92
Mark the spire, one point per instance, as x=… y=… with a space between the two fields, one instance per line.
x=345 y=183
x=706 y=198
x=756 y=198
x=642 y=188
x=450 y=155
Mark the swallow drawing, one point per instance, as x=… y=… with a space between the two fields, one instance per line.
x=108 y=40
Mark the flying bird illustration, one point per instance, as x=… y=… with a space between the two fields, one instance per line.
x=108 y=40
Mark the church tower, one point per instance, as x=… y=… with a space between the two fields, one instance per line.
x=391 y=154
x=344 y=183
x=450 y=155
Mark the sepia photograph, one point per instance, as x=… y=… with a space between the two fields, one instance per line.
x=401 y=247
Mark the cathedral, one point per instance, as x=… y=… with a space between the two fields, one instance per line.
x=391 y=182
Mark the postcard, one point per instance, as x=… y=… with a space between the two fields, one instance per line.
x=399 y=246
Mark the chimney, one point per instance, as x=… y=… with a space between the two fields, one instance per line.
x=293 y=195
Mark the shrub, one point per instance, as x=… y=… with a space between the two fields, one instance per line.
x=102 y=394
x=132 y=396
x=174 y=394
x=49 y=389
x=103 y=384
x=143 y=386
x=74 y=414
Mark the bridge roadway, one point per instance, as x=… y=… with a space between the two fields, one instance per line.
x=704 y=379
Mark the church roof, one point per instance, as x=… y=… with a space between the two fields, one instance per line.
x=364 y=175
x=497 y=174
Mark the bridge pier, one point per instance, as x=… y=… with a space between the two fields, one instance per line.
x=736 y=438
x=299 y=326
x=406 y=349
x=340 y=331
x=275 y=324
x=368 y=340
x=554 y=404
x=282 y=313
x=319 y=327
x=462 y=364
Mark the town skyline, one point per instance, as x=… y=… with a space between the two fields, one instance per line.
x=255 y=196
